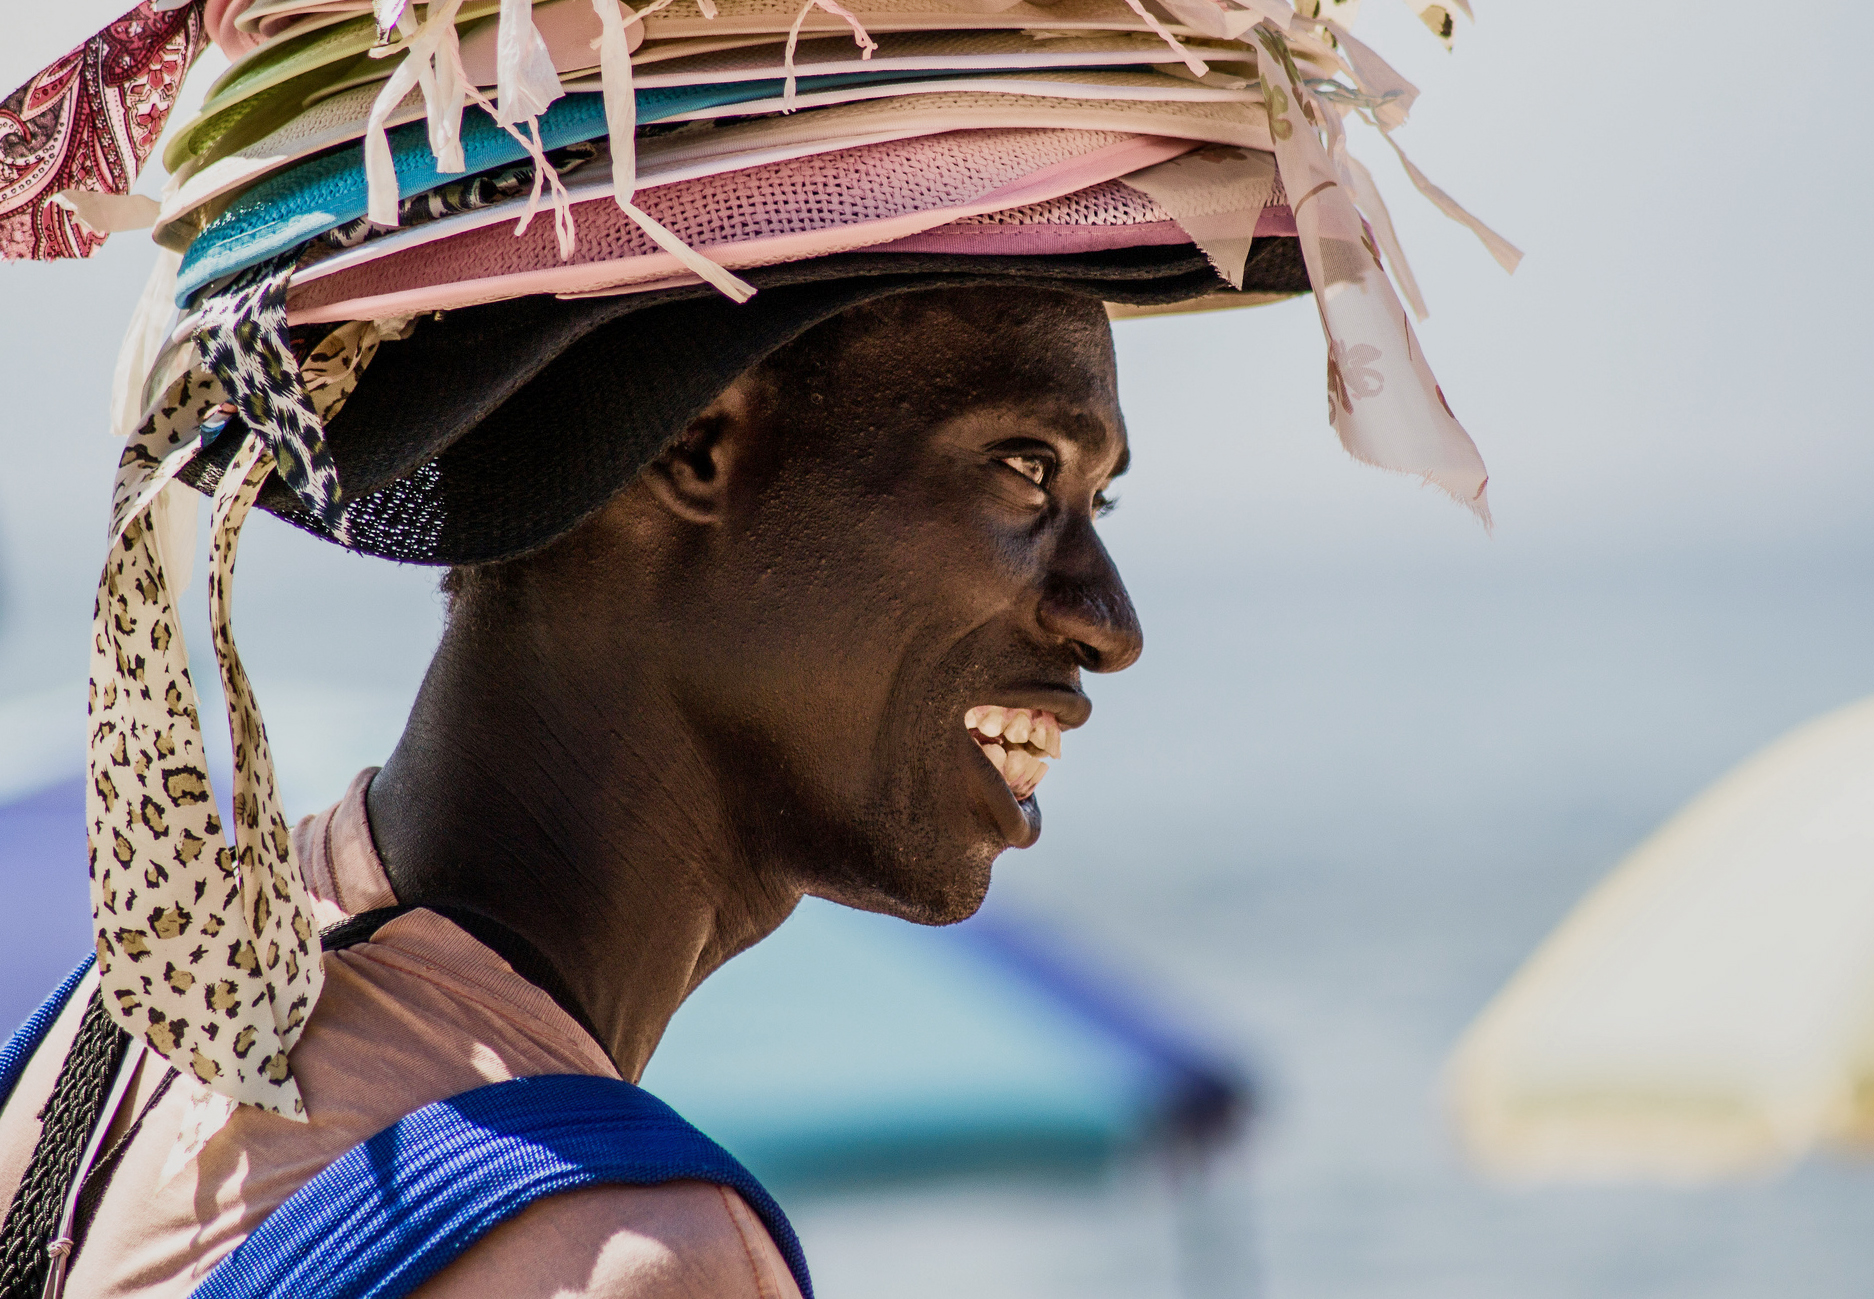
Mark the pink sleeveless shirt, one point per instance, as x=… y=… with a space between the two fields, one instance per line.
x=420 y=1013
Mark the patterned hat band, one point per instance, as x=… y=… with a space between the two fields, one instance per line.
x=570 y=184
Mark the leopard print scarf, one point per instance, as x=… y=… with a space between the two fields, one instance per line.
x=206 y=948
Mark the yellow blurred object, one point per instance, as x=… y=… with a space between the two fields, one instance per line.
x=1708 y=1010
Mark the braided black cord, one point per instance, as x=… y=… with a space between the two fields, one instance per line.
x=83 y=1084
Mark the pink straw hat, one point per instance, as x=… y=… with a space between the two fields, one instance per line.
x=789 y=211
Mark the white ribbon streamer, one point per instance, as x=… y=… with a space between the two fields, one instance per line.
x=445 y=97
x=1373 y=207
x=436 y=35
x=621 y=100
x=1508 y=255
x=525 y=78
x=860 y=37
x=732 y=286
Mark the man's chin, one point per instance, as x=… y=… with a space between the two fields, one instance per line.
x=917 y=894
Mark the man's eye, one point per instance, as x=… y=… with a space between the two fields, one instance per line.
x=1033 y=468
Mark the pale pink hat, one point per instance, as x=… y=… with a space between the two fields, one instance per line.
x=788 y=211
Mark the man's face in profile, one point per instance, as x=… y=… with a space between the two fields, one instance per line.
x=905 y=585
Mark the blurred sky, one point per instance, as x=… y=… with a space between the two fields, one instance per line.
x=1371 y=754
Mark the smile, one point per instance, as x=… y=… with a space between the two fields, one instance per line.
x=1016 y=740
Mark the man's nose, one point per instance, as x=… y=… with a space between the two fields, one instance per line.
x=1084 y=602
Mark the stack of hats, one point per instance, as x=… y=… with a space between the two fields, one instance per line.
x=396 y=237
x=378 y=161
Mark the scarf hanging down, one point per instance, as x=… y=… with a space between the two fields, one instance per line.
x=206 y=949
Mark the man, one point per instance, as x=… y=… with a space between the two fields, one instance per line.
x=760 y=671
x=750 y=599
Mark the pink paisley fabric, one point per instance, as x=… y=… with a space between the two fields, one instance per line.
x=88 y=122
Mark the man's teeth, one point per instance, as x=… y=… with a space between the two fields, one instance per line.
x=1015 y=740
x=1023 y=771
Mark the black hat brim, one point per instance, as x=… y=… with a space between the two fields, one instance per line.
x=491 y=431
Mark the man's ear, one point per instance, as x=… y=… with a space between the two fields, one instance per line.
x=691 y=476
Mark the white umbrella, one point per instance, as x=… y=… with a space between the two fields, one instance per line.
x=1708 y=1010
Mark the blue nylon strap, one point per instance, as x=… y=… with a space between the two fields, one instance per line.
x=392 y=1212
x=325 y=192
x=20 y=1047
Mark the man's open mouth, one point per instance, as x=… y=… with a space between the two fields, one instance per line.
x=1016 y=740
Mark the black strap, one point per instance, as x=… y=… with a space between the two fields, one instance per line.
x=353 y=930
x=105 y=1169
x=70 y=1113
x=522 y=956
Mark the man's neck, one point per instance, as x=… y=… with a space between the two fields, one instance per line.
x=513 y=793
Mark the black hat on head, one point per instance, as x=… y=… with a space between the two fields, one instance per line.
x=492 y=430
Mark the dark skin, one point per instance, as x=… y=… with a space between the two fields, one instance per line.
x=744 y=680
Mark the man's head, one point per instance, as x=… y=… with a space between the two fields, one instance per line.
x=885 y=525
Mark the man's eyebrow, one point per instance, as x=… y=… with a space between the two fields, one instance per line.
x=1087 y=432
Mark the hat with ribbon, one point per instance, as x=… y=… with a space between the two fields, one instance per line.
x=434 y=281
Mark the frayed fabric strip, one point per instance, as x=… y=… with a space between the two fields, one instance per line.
x=206 y=948
x=861 y=38
x=1508 y=255
x=206 y=951
x=1382 y=398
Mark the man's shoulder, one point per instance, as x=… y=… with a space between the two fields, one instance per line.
x=424 y=998
x=680 y=1240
